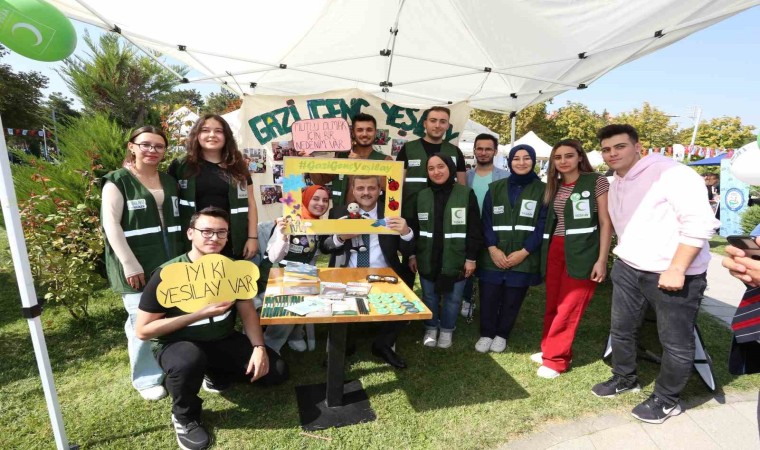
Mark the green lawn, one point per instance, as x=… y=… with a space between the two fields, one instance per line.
x=453 y=398
x=718 y=245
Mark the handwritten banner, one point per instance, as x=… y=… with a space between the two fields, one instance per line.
x=391 y=171
x=321 y=135
x=269 y=118
x=211 y=279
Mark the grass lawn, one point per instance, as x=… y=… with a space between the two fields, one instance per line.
x=453 y=398
x=718 y=245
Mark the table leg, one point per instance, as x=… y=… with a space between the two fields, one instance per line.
x=336 y=362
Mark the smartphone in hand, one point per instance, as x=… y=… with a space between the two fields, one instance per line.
x=746 y=244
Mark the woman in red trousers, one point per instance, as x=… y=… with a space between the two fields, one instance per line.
x=575 y=255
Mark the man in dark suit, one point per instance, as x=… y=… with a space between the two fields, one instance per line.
x=382 y=251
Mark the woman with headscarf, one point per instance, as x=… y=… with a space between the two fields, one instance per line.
x=300 y=248
x=575 y=259
x=447 y=223
x=514 y=215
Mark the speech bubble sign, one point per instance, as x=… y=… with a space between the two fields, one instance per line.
x=321 y=135
x=210 y=279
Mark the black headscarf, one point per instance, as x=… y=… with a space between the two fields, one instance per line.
x=441 y=193
x=525 y=179
x=452 y=173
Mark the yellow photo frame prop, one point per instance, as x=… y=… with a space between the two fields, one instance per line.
x=292 y=186
x=210 y=279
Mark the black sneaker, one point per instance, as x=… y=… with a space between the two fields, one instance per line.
x=655 y=410
x=191 y=436
x=614 y=386
x=215 y=387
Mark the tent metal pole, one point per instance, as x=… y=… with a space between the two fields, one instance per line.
x=30 y=308
x=512 y=129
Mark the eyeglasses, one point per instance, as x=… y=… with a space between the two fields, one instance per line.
x=208 y=234
x=146 y=147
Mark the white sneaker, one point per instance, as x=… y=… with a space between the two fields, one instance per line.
x=537 y=358
x=444 y=339
x=465 y=312
x=499 y=344
x=298 y=345
x=430 y=339
x=483 y=344
x=546 y=372
x=153 y=393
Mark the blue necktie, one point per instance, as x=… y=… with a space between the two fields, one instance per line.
x=362 y=258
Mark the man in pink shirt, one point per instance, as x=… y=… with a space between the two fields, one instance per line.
x=663 y=222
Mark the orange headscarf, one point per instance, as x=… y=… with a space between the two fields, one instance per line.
x=306 y=196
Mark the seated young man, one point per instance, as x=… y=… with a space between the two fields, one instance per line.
x=203 y=348
x=382 y=250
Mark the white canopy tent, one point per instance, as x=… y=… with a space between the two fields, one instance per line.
x=497 y=55
x=543 y=150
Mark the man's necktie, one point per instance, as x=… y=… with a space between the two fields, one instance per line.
x=362 y=258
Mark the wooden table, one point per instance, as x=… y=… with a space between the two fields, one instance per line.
x=337 y=403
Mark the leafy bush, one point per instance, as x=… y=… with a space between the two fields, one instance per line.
x=65 y=243
x=750 y=218
x=86 y=142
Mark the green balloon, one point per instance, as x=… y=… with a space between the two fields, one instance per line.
x=36 y=29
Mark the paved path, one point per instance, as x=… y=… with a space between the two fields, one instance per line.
x=723 y=291
x=723 y=422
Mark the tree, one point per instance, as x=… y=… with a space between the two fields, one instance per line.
x=533 y=118
x=20 y=96
x=115 y=80
x=720 y=132
x=181 y=97
x=221 y=102
x=653 y=126
x=62 y=106
x=576 y=121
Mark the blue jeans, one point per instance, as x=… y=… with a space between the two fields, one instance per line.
x=446 y=319
x=146 y=372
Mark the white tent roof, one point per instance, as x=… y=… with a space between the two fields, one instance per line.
x=498 y=55
x=543 y=150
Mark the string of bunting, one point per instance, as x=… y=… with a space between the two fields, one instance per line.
x=691 y=150
x=21 y=132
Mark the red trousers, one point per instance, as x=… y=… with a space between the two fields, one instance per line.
x=566 y=300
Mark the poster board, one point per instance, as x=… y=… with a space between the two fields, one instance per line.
x=293 y=183
x=266 y=126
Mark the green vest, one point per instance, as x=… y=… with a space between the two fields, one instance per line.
x=581 y=228
x=238 y=199
x=211 y=329
x=340 y=182
x=513 y=225
x=150 y=242
x=454 y=230
x=416 y=172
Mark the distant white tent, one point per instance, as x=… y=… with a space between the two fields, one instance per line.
x=595 y=158
x=472 y=129
x=182 y=121
x=543 y=150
